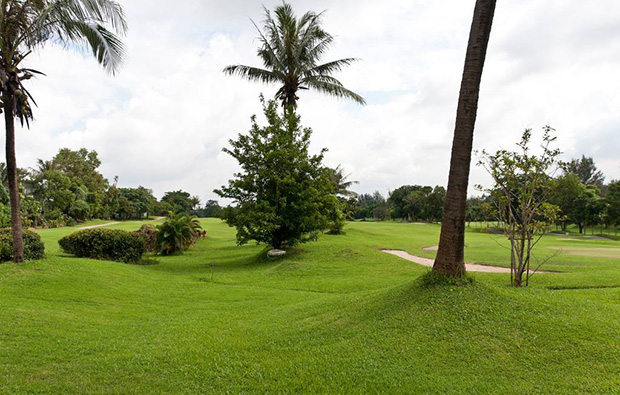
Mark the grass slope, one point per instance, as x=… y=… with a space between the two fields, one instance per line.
x=336 y=316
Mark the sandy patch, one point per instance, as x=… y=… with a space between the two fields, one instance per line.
x=569 y=239
x=430 y=248
x=470 y=267
x=590 y=252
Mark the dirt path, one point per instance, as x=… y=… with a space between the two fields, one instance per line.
x=471 y=267
x=99 y=226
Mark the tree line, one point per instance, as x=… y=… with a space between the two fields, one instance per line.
x=68 y=189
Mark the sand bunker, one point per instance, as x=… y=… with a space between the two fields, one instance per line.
x=430 y=248
x=590 y=252
x=470 y=267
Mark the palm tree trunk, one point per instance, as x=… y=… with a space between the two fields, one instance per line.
x=11 y=170
x=450 y=256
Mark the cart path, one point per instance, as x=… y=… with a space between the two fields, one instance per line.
x=470 y=267
x=99 y=226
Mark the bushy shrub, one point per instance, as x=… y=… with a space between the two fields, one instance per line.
x=149 y=235
x=178 y=233
x=109 y=244
x=33 y=246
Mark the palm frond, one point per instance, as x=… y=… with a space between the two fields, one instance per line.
x=252 y=73
x=332 y=87
x=331 y=67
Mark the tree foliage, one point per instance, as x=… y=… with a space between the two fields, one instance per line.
x=586 y=170
x=291 y=50
x=28 y=25
x=282 y=195
x=520 y=193
x=417 y=203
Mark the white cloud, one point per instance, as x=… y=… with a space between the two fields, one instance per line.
x=163 y=121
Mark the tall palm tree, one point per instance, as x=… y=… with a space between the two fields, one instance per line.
x=450 y=256
x=26 y=25
x=291 y=51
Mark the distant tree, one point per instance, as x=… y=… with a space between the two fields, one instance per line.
x=565 y=193
x=522 y=185
x=450 y=255
x=135 y=203
x=367 y=205
x=182 y=202
x=587 y=208
x=613 y=203
x=398 y=201
x=417 y=203
x=341 y=182
x=29 y=25
x=291 y=50
x=213 y=209
x=282 y=195
x=195 y=201
x=586 y=170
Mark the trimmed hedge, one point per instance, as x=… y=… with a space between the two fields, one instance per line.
x=33 y=246
x=107 y=244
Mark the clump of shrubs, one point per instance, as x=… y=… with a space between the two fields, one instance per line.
x=177 y=234
x=108 y=244
x=149 y=235
x=33 y=246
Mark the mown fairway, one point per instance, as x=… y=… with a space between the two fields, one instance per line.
x=336 y=316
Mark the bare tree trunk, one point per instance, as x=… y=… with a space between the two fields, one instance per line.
x=11 y=170
x=450 y=256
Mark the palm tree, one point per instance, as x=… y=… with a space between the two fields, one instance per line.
x=291 y=51
x=26 y=25
x=341 y=182
x=450 y=256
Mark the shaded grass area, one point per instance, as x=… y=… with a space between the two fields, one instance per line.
x=334 y=316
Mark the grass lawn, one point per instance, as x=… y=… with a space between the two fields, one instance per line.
x=335 y=316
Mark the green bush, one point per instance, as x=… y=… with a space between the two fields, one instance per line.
x=177 y=234
x=108 y=244
x=148 y=233
x=33 y=246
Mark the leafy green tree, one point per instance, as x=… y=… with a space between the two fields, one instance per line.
x=282 y=195
x=398 y=200
x=367 y=204
x=29 y=25
x=613 y=203
x=450 y=255
x=135 y=202
x=521 y=190
x=565 y=193
x=291 y=50
x=587 y=208
x=586 y=170
x=180 y=201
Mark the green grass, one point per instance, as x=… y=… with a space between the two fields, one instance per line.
x=335 y=316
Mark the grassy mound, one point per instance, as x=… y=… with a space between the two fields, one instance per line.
x=335 y=316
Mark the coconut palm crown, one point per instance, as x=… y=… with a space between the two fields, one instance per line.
x=291 y=50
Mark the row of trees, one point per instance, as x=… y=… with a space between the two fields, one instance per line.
x=69 y=189
x=408 y=203
x=580 y=193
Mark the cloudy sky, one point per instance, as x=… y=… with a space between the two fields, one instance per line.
x=162 y=122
